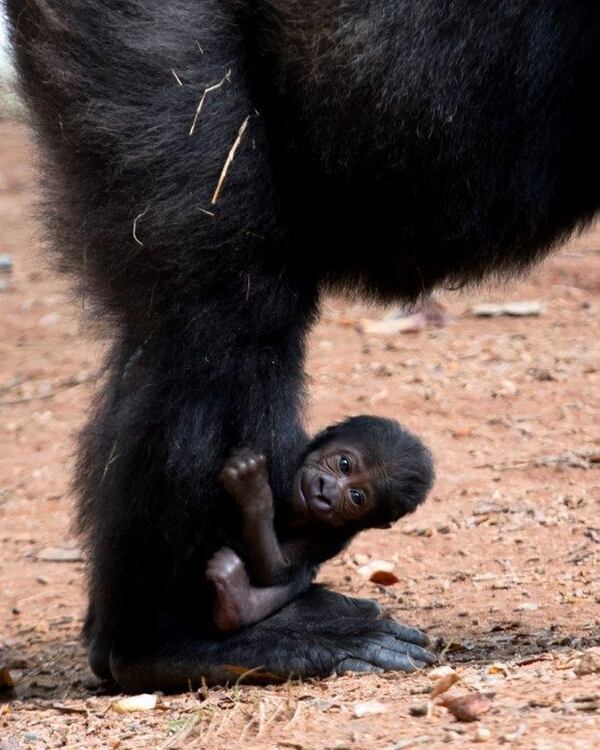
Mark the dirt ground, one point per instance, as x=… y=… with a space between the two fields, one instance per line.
x=500 y=565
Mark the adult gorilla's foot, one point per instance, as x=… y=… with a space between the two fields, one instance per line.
x=358 y=638
x=319 y=634
x=352 y=604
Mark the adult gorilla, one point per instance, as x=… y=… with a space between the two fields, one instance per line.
x=211 y=166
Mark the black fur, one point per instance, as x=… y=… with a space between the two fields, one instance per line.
x=388 y=146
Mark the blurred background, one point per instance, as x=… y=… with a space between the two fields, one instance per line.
x=4 y=60
x=8 y=100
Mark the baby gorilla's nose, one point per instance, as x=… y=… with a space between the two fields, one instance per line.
x=327 y=489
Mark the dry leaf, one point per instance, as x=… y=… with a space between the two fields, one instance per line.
x=369 y=708
x=498 y=668
x=442 y=671
x=379 y=571
x=444 y=683
x=466 y=707
x=143 y=702
x=6 y=680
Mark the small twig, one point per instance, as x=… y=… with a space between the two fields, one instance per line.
x=214 y=731
x=246 y=728
x=208 y=90
x=261 y=719
x=69 y=383
x=230 y=158
x=203 y=693
x=111 y=458
x=15 y=384
x=248 y=673
x=28 y=676
x=580 y=556
x=532 y=659
x=177 y=78
x=182 y=734
x=280 y=707
x=422 y=739
x=531 y=462
x=68 y=709
x=135 y=221
x=17 y=401
x=294 y=718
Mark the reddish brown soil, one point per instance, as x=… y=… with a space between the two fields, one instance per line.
x=501 y=563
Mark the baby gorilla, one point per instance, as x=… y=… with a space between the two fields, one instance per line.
x=365 y=472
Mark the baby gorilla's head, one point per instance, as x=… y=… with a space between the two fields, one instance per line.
x=366 y=471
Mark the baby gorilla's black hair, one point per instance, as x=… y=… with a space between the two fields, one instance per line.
x=403 y=464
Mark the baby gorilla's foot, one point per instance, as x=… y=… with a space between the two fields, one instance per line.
x=245 y=478
x=232 y=607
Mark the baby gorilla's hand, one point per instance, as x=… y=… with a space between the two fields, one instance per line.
x=245 y=478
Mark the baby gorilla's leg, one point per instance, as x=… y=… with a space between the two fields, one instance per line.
x=238 y=603
x=232 y=607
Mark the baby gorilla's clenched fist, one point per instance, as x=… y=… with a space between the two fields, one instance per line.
x=245 y=478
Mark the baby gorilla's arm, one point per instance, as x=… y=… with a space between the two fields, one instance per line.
x=245 y=478
x=238 y=603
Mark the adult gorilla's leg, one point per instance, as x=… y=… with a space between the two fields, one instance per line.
x=179 y=243
x=151 y=509
x=154 y=514
x=337 y=635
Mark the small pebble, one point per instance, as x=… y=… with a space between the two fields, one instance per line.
x=369 y=708
x=143 y=702
x=6 y=264
x=482 y=734
x=60 y=554
x=50 y=319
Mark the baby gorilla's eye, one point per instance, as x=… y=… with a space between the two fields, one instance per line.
x=345 y=464
x=357 y=497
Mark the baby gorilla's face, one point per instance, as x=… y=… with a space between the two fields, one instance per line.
x=335 y=486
